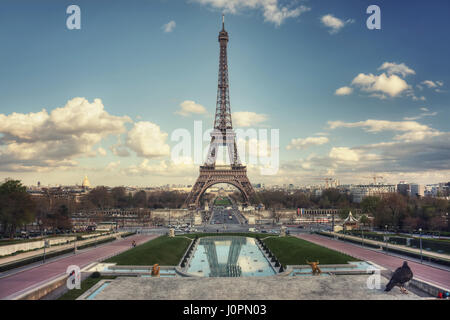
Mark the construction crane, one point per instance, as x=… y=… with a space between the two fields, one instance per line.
x=375 y=177
x=328 y=181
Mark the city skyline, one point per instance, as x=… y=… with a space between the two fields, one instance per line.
x=104 y=100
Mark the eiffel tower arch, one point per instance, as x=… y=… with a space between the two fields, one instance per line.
x=222 y=135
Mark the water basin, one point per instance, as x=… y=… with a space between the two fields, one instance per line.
x=229 y=256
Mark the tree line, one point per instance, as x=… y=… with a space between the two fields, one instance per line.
x=19 y=209
x=395 y=210
x=50 y=211
x=103 y=198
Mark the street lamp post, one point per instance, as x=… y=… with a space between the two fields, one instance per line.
x=362 y=234
x=332 y=220
x=420 y=241
x=386 y=238
x=45 y=245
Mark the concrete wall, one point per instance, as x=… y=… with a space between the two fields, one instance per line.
x=38 y=293
x=32 y=245
x=88 y=236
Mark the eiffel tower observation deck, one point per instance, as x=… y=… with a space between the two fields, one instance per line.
x=222 y=135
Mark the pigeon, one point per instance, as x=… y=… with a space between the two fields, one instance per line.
x=400 y=277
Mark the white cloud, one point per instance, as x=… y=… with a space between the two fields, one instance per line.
x=248 y=118
x=147 y=140
x=421 y=98
x=101 y=151
x=388 y=84
x=423 y=114
x=273 y=11
x=394 y=68
x=252 y=147
x=189 y=107
x=169 y=26
x=343 y=154
x=305 y=143
x=380 y=125
x=54 y=139
x=433 y=85
x=418 y=135
x=392 y=85
x=119 y=150
x=112 y=166
x=413 y=131
x=343 y=91
x=335 y=24
x=181 y=168
x=429 y=84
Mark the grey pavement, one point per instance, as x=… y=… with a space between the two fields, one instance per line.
x=342 y=287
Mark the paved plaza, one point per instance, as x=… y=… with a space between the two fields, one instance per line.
x=341 y=287
x=430 y=274
x=13 y=285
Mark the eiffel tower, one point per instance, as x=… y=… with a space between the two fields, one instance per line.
x=222 y=135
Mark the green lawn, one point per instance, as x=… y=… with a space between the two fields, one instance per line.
x=222 y=201
x=86 y=284
x=162 y=250
x=294 y=251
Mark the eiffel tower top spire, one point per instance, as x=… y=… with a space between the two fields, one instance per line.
x=222 y=119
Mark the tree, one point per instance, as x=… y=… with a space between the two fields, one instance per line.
x=16 y=206
x=369 y=204
x=101 y=198
x=438 y=223
x=120 y=197
x=393 y=204
x=63 y=218
x=411 y=223
x=364 y=220
x=140 y=199
x=343 y=213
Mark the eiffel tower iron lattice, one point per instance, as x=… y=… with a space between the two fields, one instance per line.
x=222 y=135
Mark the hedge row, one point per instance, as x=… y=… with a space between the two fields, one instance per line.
x=437 y=246
x=128 y=234
x=24 y=262
x=351 y=240
x=442 y=246
x=417 y=256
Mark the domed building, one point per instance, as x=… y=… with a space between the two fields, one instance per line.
x=86 y=184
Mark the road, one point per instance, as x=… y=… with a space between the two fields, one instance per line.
x=423 y=272
x=220 y=215
x=18 y=283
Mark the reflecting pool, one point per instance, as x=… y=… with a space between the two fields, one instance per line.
x=229 y=256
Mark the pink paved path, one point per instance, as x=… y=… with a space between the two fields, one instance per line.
x=423 y=272
x=17 y=283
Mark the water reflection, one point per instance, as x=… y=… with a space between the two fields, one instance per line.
x=229 y=256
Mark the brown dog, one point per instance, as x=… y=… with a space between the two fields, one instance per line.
x=315 y=267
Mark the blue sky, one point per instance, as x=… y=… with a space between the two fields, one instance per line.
x=286 y=59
